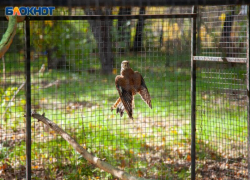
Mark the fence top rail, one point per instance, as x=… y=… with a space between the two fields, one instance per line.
x=220 y=59
x=96 y=17
x=98 y=3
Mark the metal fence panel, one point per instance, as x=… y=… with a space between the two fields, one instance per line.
x=74 y=59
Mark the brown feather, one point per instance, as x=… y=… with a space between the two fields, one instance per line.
x=145 y=96
x=144 y=93
x=128 y=84
x=126 y=96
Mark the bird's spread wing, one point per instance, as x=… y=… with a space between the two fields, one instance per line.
x=127 y=99
x=144 y=93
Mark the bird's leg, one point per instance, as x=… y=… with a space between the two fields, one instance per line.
x=116 y=103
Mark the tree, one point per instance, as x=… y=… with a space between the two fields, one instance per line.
x=123 y=27
x=57 y=39
x=101 y=30
x=225 y=41
x=139 y=32
x=230 y=46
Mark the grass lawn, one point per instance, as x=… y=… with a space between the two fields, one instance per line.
x=155 y=144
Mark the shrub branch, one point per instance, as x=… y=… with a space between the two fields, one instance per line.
x=89 y=157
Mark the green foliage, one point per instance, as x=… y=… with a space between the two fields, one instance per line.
x=63 y=37
x=6 y=98
x=4 y=153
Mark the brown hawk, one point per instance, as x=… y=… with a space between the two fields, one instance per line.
x=128 y=84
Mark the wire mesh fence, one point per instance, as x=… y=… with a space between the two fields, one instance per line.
x=73 y=68
x=78 y=97
x=222 y=95
x=12 y=126
x=223 y=32
x=221 y=121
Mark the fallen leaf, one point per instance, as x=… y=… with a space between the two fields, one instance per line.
x=140 y=173
x=35 y=167
x=188 y=158
x=3 y=167
x=114 y=71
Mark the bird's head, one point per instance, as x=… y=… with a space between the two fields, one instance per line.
x=125 y=65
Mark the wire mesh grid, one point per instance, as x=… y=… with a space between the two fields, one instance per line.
x=75 y=89
x=12 y=109
x=223 y=31
x=77 y=95
x=222 y=99
x=221 y=121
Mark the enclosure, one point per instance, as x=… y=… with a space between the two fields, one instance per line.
x=193 y=56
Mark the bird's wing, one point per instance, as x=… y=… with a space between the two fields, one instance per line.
x=144 y=93
x=126 y=97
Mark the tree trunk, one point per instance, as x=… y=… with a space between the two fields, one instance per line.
x=51 y=58
x=4 y=76
x=226 y=45
x=101 y=30
x=139 y=32
x=124 y=29
x=53 y=61
x=198 y=31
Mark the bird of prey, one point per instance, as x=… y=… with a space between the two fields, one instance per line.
x=128 y=84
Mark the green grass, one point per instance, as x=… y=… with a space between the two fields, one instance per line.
x=81 y=103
